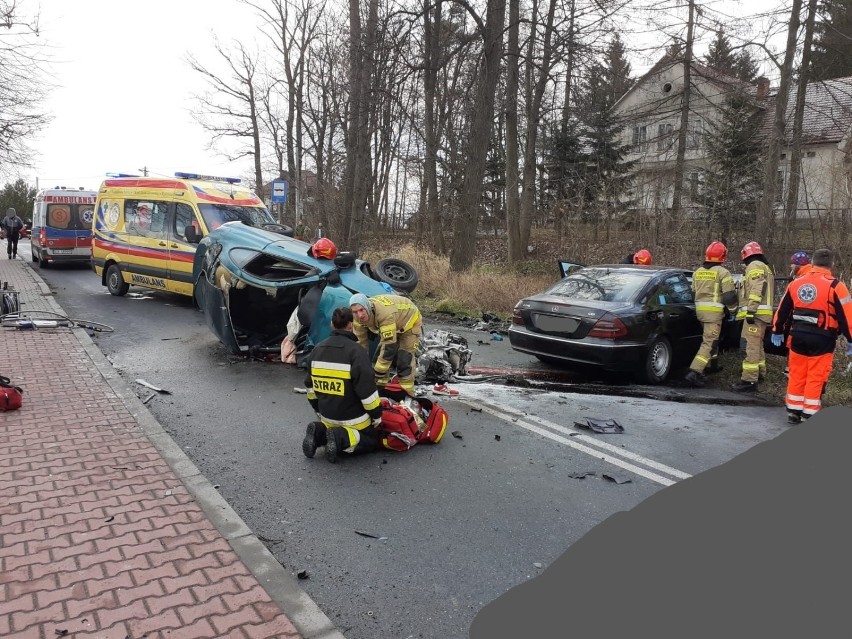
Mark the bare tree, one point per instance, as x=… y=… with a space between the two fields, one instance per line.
x=22 y=85
x=230 y=109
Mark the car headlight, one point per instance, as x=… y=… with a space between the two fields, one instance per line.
x=241 y=257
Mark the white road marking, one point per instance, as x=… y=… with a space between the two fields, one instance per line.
x=520 y=419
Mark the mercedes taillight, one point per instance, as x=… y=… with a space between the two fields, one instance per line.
x=609 y=327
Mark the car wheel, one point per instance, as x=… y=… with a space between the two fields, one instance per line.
x=33 y=253
x=115 y=282
x=658 y=361
x=283 y=229
x=399 y=274
x=42 y=262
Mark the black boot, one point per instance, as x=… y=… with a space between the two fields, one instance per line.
x=794 y=416
x=744 y=387
x=713 y=367
x=333 y=444
x=694 y=379
x=314 y=438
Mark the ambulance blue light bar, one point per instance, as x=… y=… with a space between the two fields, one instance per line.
x=209 y=178
x=120 y=175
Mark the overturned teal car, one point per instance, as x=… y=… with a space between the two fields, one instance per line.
x=257 y=286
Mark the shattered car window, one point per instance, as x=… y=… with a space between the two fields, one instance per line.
x=601 y=284
x=215 y=215
x=270 y=267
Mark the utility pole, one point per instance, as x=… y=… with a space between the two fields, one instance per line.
x=144 y=170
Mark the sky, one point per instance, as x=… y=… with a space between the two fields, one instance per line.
x=123 y=96
x=123 y=93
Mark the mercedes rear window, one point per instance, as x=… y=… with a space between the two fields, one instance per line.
x=602 y=284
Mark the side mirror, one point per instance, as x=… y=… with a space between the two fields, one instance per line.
x=191 y=234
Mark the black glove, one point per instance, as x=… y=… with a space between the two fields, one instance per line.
x=750 y=318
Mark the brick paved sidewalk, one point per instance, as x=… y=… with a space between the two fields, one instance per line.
x=106 y=529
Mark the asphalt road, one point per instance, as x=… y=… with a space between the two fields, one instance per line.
x=459 y=523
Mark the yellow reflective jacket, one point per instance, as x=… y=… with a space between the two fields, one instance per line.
x=389 y=315
x=757 y=292
x=714 y=291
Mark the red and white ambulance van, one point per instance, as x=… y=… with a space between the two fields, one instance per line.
x=62 y=226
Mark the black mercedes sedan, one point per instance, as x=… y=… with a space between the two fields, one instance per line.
x=618 y=318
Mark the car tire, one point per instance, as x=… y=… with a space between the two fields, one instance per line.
x=283 y=229
x=33 y=253
x=42 y=262
x=658 y=361
x=115 y=282
x=398 y=273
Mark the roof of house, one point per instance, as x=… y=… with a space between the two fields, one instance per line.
x=828 y=111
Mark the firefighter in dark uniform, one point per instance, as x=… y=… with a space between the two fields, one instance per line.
x=815 y=309
x=642 y=256
x=342 y=391
x=756 y=296
x=714 y=292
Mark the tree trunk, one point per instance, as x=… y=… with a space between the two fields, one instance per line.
x=776 y=135
x=792 y=204
x=680 y=160
x=513 y=201
x=432 y=42
x=467 y=220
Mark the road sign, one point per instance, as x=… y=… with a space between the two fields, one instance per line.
x=279 y=191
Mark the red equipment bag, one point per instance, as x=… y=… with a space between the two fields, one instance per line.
x=436 y=420
x=413 y=421
x=11 y=397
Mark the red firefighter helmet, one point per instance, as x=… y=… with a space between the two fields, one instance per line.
x=642 y=256
x=716 y=252
x=752 y=248
x=324 y=248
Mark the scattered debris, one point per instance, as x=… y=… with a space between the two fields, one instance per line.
x=300 y=389
x=167 y=493
x=495 y=336
x=139 y=296
x=109 y=519
x=600 y=425
x=581 y=475
x=149 y=398
x=166 y=339
x=61 y=632
x=441 y=357
x=216 y=486
x=302 y=574
x=537 y=565
x=497 y=437
x=370 y=535
x=483 y=342
x=617 y=479
x=475 y=410
x=152 y=387
x=457 y=434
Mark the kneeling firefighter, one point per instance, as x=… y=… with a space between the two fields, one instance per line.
x=342 y=391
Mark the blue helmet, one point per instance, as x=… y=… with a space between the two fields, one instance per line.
x=800 y=258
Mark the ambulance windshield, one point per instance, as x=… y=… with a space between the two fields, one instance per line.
x=215 y=215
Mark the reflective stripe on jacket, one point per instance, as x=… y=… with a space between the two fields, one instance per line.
x=340 y=382
x=714 y=290
x=815 y=309
x=388 y=316
x=757 y=292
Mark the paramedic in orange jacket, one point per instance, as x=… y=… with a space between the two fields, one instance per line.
x=816 y=308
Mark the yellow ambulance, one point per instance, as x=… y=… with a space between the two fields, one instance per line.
x=146 y=229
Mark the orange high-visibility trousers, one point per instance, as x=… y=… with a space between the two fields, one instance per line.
x=808 y=376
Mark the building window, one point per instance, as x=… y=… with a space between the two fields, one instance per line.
x=640 y=137
x=695 y=134
x=811 y=154
x=664 y=137
x=694 y=185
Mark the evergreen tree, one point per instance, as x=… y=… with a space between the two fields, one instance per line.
x=738 y=64
x=733 y=182
x=617 y=70
x=831 y=55
x=20 y=196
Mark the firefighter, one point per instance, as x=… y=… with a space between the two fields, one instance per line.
x=756 y=295
x=815 y=309
x=642 y=256
x=397 y=322
x=714 y=292
x=342 y=391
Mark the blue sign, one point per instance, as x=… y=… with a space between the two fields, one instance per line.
x=279 y=191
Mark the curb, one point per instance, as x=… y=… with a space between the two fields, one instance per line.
x=282 y=587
